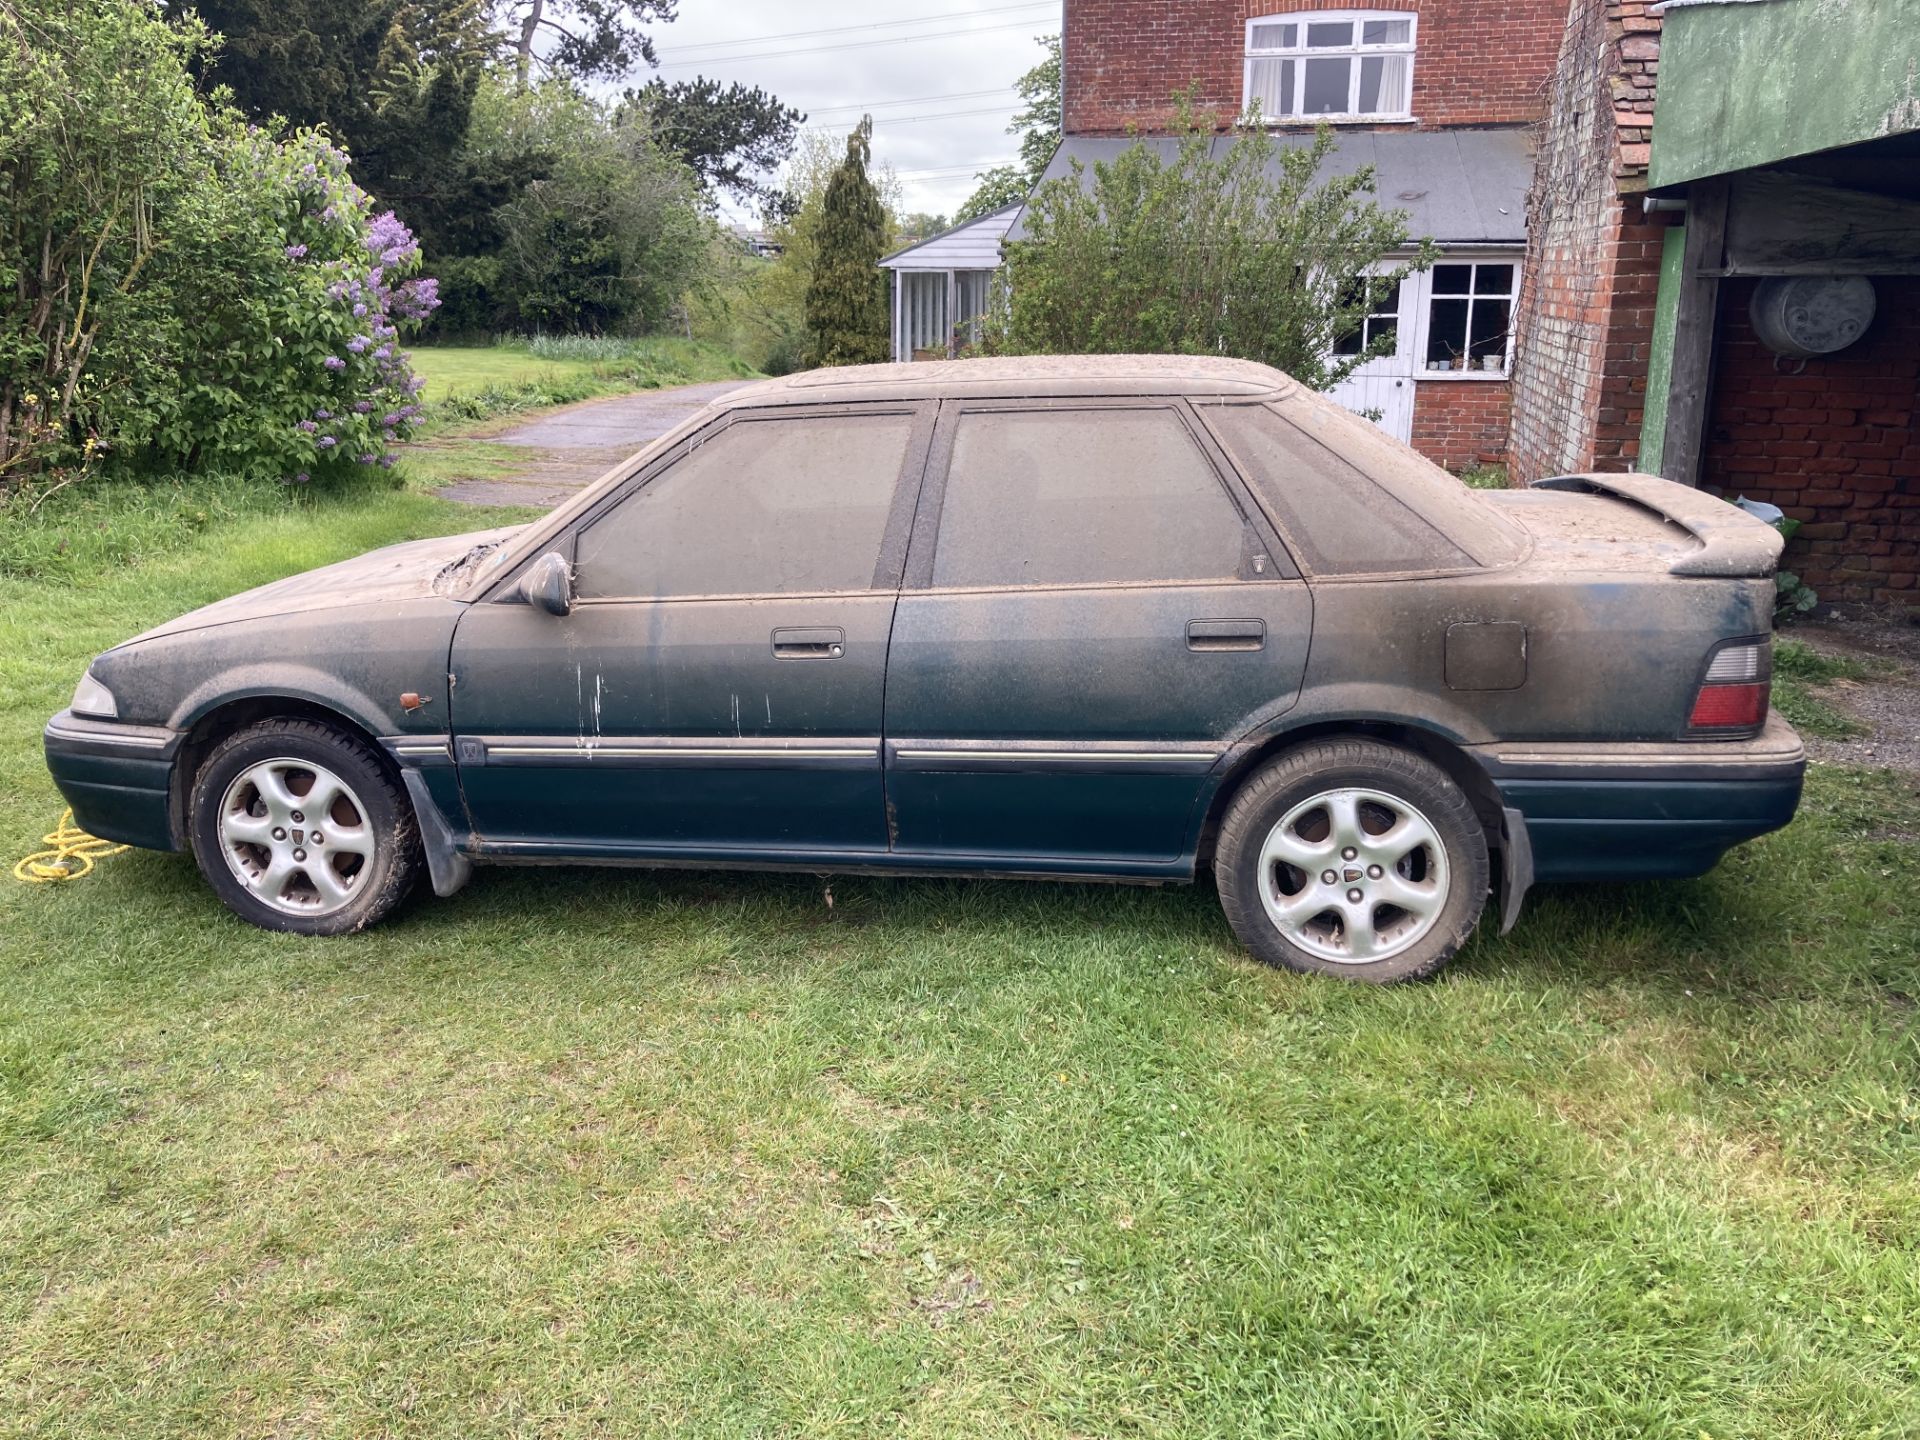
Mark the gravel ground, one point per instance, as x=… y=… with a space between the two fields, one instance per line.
x=1889 y=705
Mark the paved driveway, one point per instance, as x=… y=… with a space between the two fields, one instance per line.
x=572 y=448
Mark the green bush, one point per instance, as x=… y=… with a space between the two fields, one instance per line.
x=595 y=230
x=204 y=293
x=1249 y=252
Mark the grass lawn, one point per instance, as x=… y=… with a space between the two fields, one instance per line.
x=586 y=1153
x=561 y=372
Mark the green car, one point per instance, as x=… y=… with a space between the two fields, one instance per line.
x=1120 y=618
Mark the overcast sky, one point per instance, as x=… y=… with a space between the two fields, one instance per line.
x=937 y=75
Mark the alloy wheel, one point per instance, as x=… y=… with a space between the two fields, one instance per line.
x=1353 y=875
x=295 y=834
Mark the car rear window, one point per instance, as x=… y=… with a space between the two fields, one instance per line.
x=1352 y=500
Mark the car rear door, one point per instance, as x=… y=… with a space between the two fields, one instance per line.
x=1093 y=612
x=718 y=685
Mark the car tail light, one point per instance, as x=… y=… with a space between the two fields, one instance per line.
x=1735 y=691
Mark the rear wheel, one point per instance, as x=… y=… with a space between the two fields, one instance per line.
x=297 y=826
x=1352 y=858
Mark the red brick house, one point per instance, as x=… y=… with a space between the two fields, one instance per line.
x=1440 y=96
x=1722 y=282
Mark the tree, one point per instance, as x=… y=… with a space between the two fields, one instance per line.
x=919 y=224
x=1251 y=254
x=590 y=39
x=392 y=80
x=726 y=136
x=847 y=294
x=1037 y=125
x=606 y=232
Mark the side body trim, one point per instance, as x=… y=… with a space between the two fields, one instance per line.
x=705 y=752
x=999 y=757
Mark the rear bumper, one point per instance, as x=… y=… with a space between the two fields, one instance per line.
x=1639 y=811
x=118 y=778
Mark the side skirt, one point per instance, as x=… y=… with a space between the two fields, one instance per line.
x=1039 y=867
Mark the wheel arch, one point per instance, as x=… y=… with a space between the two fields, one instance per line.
x=1442 y=750
x=237 y=713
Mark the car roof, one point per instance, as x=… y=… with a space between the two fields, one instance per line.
x=1019 y=377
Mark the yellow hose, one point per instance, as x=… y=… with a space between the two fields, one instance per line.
x=71 y=854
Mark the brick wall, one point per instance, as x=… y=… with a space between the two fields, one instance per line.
x=1476 y=62
x=1585 y=323
x=1834 y=445
x=1461 y=423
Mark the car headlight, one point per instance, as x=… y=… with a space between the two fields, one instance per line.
x=90 y=697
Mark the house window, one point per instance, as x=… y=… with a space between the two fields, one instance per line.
x=1469 y=317
x=1335 y=65
x=1382 y=318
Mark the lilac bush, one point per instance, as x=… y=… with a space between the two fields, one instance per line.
x=207 y=293
x=367 y=263
x=274 y=342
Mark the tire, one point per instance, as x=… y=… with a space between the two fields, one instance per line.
x=1305 y=806
x=277 y=866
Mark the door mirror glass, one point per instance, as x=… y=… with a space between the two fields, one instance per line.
x=548 y=584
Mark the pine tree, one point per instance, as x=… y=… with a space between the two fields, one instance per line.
x=847 y=295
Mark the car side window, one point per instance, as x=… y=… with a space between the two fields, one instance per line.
x=786 y=506
x=1065 y=497
x=1340 y=520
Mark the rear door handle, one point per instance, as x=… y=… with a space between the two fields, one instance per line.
x=1226 y=635
x=817 y=643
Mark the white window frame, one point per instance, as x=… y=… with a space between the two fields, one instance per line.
x=1356 y=52
x=1423 y=325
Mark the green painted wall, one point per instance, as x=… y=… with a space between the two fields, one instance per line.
x=1748 y=84
x=1666 y=307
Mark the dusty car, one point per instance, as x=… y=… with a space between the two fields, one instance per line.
x=1129 y=619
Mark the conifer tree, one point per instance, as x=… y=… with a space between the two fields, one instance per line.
x=847 y=295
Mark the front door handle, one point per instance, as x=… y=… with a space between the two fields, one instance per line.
x=819 y=642
x=1207 y=635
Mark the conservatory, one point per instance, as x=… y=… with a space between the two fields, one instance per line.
x=941 y=287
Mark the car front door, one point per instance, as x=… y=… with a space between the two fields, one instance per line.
x=1093 y=612
x=718 y=685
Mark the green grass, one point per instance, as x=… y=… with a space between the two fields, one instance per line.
x=1799 y=671
x=473 y=382
x=442 y=459
x=1485 y=477
x=588 y=1153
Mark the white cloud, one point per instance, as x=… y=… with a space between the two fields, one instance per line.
x=865 y=53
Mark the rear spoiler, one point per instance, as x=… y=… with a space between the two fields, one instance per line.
x=1732 y=542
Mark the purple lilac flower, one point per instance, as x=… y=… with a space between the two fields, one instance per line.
x=334 y=362
x=306 y=427
x=357 y=344
x=363 y=406
x=302 y=478
x=296 y=252
x=384 y=352
x=327 y=442
x=386 y=462
x=323 y=414
x=367 y=459
x=359 y=310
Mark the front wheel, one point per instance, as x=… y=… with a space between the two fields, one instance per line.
x=298 y=826
x=1352 y=858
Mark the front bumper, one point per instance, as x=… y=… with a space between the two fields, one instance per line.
x=118 y=778
x=1646 y=810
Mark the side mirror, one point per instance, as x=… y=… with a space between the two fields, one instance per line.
x=548 y=584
